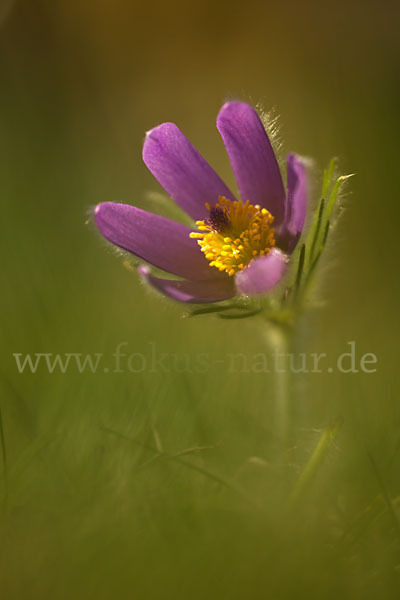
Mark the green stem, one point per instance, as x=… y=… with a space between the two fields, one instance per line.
x=279 y=338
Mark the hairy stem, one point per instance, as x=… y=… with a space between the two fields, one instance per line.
x=279 y=338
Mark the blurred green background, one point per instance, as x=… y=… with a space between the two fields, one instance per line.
x=98 y=500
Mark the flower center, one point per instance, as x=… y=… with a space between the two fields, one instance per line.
x=234 y=233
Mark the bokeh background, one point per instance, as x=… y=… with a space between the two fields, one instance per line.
x=98 y=500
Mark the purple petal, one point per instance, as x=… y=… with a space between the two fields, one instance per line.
x=182 y=171
x=296 y=201
x=262 y=274
x=252 y=157
x=160 y=241
x=197 y=292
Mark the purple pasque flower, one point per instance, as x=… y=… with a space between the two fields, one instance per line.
x=240 y=246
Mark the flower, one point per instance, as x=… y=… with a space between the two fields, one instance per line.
x=240 y=246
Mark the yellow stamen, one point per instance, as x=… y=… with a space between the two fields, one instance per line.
x=243 y=232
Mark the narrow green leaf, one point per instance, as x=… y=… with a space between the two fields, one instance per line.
x=328 y=174
x=335 y=192
x=317 y=228
x=326 y=232
x=314 y=464
x=243 y=315
x=318 y=256
x=300 y=269
x=209 y=310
